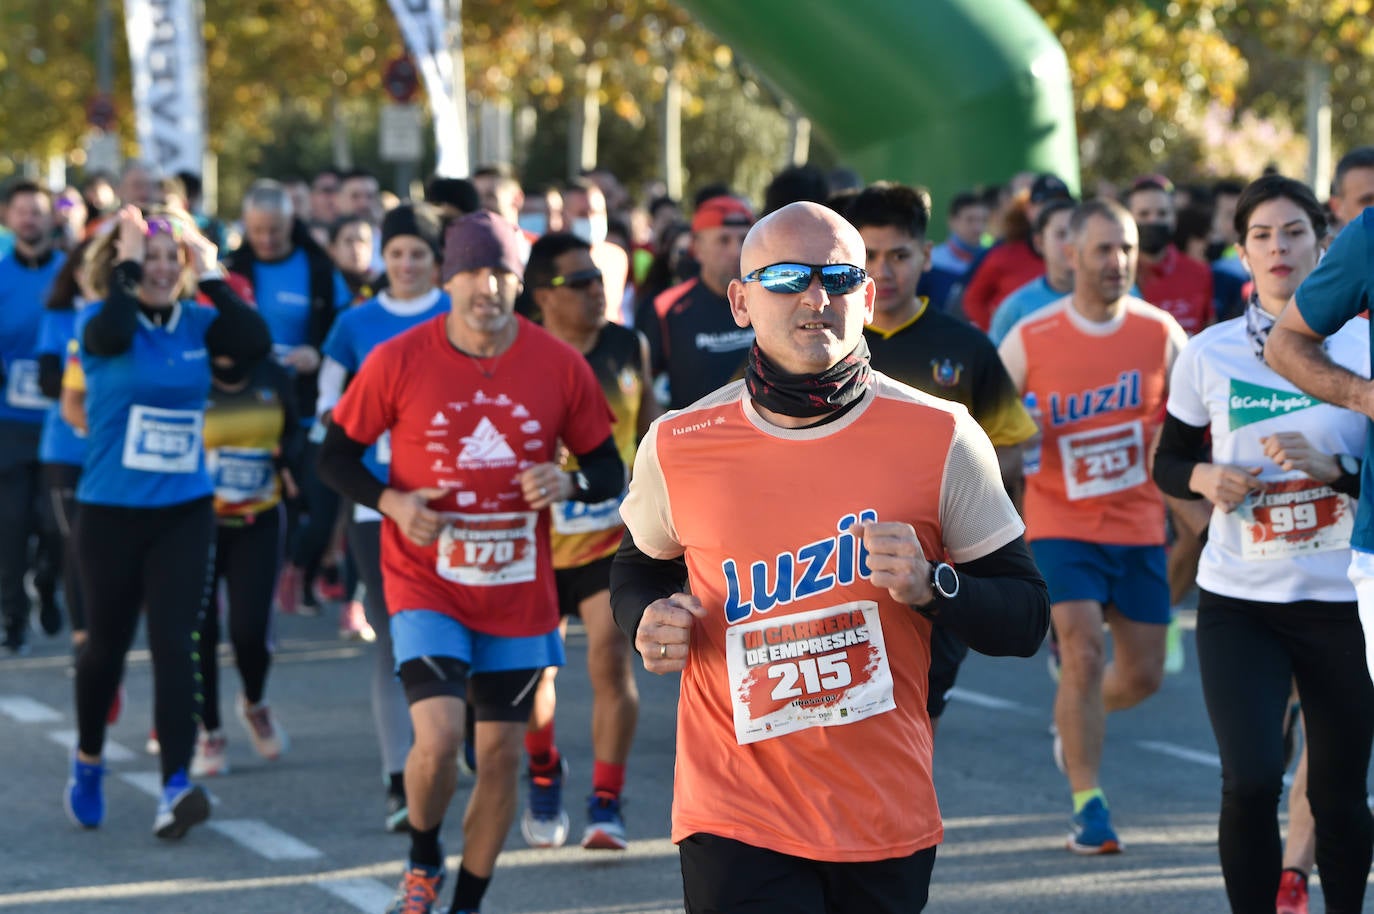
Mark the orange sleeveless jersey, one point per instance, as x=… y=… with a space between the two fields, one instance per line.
x=802 y=722
x=1101 y=390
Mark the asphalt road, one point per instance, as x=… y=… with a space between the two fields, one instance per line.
x=305 y=834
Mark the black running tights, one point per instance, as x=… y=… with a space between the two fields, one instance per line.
x=158 y=559
x=61 y=480
x=1249 y=653
x=247 y=558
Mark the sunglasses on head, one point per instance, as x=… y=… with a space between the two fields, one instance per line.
x=581 y=280
x=160 y=225
x=791 y=278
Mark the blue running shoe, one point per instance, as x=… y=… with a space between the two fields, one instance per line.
x=418 y=892
x=84 y=798
x=605 y=825
x=182 y=806
x=1092 y=831
x=545 y=822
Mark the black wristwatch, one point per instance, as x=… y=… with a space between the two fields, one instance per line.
x=1348 y=483
x=944 y=583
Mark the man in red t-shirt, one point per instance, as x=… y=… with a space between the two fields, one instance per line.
x=1169 y=278
x=476 y=405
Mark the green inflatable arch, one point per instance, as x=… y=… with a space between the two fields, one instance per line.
x=945 y=93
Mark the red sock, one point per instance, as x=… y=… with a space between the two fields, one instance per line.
x=608 y=778
x=541 y=750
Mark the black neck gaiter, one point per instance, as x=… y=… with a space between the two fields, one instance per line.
x=806 y=396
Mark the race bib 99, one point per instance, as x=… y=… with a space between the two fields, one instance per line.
x=1295 y=517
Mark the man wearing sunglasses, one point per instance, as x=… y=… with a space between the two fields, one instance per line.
x=792 y=537
x=567 y=289
x=932 y=351
x=692 y=338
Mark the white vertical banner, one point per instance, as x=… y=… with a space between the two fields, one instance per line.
x=425 y=27
x=167 y=55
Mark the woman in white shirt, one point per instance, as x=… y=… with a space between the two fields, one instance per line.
x=1275 y=604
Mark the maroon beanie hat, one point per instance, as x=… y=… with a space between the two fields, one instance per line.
x=480 y=240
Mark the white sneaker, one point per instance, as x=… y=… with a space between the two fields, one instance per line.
x=211 y=758
x=545 y=822
x=269 y=739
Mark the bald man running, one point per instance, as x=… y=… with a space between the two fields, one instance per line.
x=794 y=583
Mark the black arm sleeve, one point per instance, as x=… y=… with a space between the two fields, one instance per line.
x=239 y=331
x=341 y=467
x=1181 y=447
x=638 y=580
x=111 y=331
x=1002 y=608
x=603 y=472
x=50 y=375
x=292 y=443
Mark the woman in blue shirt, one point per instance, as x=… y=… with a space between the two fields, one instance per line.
x=146 y=521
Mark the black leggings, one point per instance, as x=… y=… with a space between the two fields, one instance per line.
x=309 y=536
x=1249 y=653
x=19 y=493
x=247 y=558
x=60 y=480
x=160 y=559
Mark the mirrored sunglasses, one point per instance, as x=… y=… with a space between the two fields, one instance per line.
x=581 y=280
x=161 y=225
x=791 y=278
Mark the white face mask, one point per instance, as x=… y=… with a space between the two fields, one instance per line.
x=534 y=223
x=591 y=229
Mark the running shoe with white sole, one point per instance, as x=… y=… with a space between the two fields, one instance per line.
x=212 y=755
x=545 y=822
x=418 y=891
x=1092 y=831
x=84 y=797
x=183 y=805
x=269 y=739
x=605 y=825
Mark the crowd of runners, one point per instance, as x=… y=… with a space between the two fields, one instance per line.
x=803 y=456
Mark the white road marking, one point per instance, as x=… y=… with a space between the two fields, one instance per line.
x=27 y=711
x=114 y=752
x=264 y=840
x=984 y=700
x=364 y=894
x=149 y=782
x=1181 y=752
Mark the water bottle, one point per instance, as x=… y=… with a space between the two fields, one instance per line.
x=1030 y=451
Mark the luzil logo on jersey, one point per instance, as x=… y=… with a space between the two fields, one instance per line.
x=1123 y=393
x=796 y=575
x=485 y=447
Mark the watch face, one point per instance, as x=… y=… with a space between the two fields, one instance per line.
x=1349 y=465
x=946 y=580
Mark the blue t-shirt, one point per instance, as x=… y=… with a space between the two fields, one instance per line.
x=1340 y=288
x=23 y=291
x=145 y=413
x=1028 y=299
x=282 y=290
x=360 y=330
x=60 y=443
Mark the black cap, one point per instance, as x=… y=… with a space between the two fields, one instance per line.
x=1049 y=187
x=418 y=219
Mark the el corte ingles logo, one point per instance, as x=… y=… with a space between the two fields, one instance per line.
x=1254 y=403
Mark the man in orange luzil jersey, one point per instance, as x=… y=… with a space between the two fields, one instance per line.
x=1098 y=361
x=790 y=538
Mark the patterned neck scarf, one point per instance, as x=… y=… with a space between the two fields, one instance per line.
x=1258 y=323
x=806 y=396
